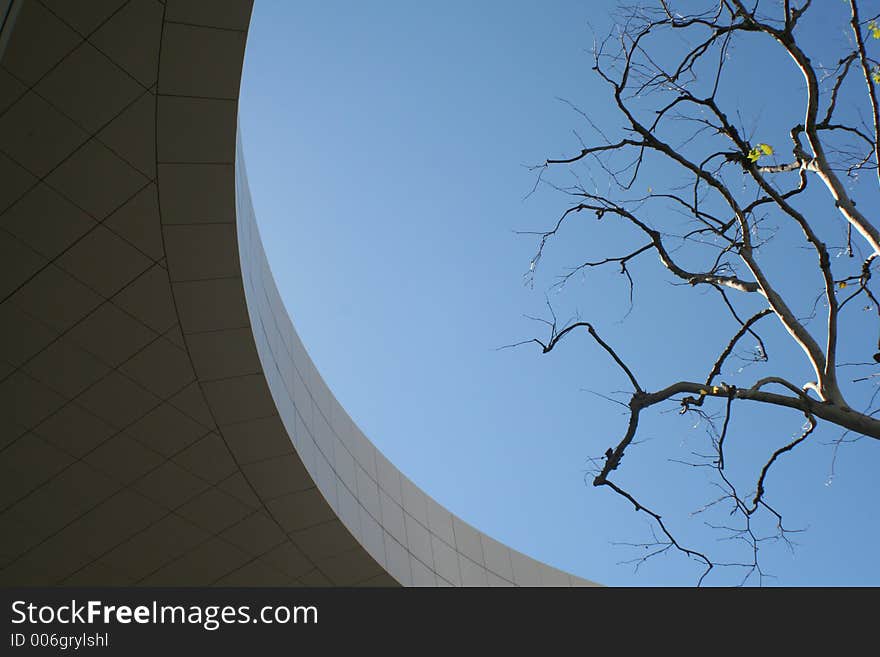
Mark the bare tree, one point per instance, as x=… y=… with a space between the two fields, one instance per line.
x=669 y=79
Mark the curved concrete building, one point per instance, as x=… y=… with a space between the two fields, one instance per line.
x=160 y=421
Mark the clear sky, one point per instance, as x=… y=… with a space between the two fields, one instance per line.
x=386 y=146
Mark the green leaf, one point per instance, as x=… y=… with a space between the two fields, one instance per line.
x=759 y=151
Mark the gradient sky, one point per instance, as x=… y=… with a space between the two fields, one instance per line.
x=386 y=146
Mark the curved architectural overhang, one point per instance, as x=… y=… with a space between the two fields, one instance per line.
x=161 y=421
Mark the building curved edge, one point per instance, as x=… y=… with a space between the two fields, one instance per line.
x=161 y=421
x=406 y=531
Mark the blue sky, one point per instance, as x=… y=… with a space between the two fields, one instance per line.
x=387 y=146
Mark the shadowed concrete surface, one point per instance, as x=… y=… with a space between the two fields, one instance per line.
x=160 y=421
